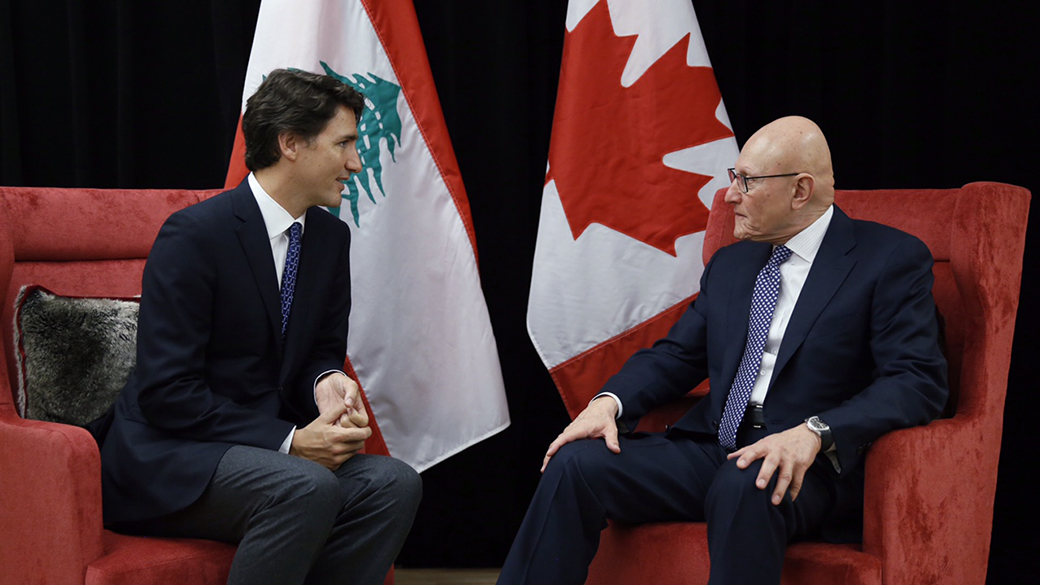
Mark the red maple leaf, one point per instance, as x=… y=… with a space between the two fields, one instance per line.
x=608 y=140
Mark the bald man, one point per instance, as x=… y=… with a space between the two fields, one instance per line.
x=818 y=334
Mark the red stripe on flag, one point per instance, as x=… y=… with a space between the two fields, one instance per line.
x=398 y=30
x=237 y=170
x=375 y=445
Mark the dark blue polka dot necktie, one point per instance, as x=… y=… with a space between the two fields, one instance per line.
x=292 y=260
x=763 y=302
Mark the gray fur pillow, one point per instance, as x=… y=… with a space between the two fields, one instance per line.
x=74 y=354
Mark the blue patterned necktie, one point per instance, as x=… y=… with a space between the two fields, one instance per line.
x=292 y=259
x=763 y=302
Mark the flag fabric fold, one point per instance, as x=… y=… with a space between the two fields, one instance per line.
x=420 y=340
x=640 y=144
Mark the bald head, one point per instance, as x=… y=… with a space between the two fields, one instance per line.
x=794 y=145
x=794 y=184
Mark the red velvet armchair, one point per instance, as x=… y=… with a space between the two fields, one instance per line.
x=80 y=242
x=929 y=490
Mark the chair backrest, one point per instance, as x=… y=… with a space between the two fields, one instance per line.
x=977 y=236
x=77 y=242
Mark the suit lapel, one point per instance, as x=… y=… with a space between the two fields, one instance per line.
x=831 y=267
x=256 y=246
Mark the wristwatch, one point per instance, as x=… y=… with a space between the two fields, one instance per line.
x=822 y=429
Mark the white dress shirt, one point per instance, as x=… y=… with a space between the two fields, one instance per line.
x=804 y=245
x=278 y=222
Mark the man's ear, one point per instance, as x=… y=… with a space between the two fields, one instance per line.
x=289 y=144
x=804 y=186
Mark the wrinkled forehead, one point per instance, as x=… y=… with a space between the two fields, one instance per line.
x=762 y=154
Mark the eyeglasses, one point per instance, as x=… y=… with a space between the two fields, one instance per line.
x=742 y=184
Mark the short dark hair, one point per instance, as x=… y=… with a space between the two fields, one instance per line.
x=295 y=101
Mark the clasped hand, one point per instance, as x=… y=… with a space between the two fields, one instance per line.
x=341 y=428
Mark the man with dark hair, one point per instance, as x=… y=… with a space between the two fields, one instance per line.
x=818 y=334
x=295 y=101
x=237 y=423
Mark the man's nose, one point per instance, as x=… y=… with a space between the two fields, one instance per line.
x=733 y=193
x=353 y=163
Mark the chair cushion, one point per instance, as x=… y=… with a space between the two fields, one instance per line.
x=138 y=560
x=677 y=552
x=74 y=354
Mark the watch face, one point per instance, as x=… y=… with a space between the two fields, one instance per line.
x=816 y=424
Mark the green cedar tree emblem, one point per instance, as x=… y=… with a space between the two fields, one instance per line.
x=380 y=122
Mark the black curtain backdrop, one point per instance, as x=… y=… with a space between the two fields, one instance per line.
x=118 y=93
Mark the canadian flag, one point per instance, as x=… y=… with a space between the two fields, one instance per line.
x=640 y=144
x=420 y=338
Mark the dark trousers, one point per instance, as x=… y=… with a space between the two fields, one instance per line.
x=661 y=478
x=297 y=522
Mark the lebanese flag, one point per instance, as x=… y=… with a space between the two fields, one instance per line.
x=640 y=144
x=420 y=338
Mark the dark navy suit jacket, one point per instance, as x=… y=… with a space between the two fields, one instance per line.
x=861 y=349
x=212 y=368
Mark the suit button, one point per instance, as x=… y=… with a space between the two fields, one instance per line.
x=715 y=424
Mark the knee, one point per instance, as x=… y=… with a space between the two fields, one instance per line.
x=406 y=484
x=399 y=482
x=579 y=460
x=732 y=484
x=312 y=487
x=734 y=488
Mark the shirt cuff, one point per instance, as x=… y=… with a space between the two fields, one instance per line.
x=314 y=388
x=287 y=442
x=620 y=408
x=832 y=454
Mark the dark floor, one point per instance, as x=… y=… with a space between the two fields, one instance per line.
x=445 y=576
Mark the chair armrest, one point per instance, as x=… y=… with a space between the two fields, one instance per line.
x=928 y=501
x=50 y=500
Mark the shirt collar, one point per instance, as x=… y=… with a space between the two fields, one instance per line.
x=276 y=218
x=806 y=243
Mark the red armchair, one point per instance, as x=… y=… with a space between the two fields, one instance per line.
x=929 y=490
x=80 y=242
